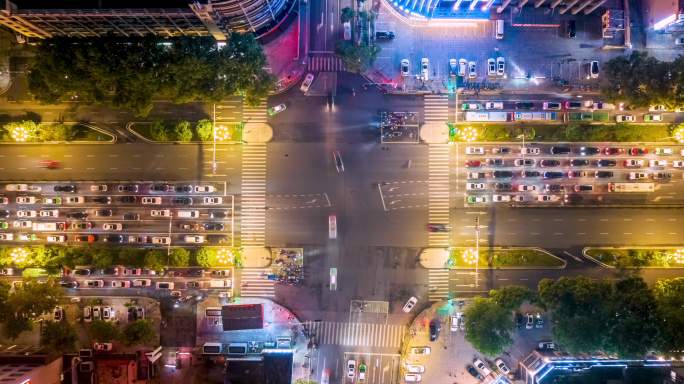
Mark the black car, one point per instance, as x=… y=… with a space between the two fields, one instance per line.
x=604 y=174
x=195 y=272
x=127 y=199
x=502 y=174
x=218 y=214
x=549 y=163
x=553 y=175
x=181 y=201
x=584 y=188
x=435 y=327
x=83 y=272
x=102 y=199
x=573 y=104
x=77 y=215
x=183 y=188
x=192 y=285
x=501 y=150
x=606 y=163
x=104 y=212
x=4 y=213
x=530 y=174
x=161 y=188
x=384 y=35
x=579 y=163
x=128 y=188
x=474 y=373
x=559 y=150
x=571 y=29
x=131 y=216
x=589 y=151
x=573 y=199
x=113 y=239
x=68 y=284
x=553 y=188
x=524 y=105
x=503 y=187
x=496 y=162
x=519 y=320
x=65 y=188
x=213 y=227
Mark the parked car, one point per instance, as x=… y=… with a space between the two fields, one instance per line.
x=410 y=304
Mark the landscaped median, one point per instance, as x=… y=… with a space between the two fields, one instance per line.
x=186 y=132
x=567 y=132
x=627 y=257
x=503 y=258
x=28 y=131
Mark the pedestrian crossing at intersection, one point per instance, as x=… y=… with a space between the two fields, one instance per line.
x=438 y=192
x=254 y=282
x=253 y=198
x=255 y=114
x=436 y=108
x=438 y=284
x=325 y=63
x=356 y=334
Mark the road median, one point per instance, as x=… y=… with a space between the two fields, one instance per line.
x=53 y=132
x=636 y=257
x=490 y=258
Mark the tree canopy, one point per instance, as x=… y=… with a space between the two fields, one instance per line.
x=129 y=72
x=25 y=303
x=59 y=336
x=669 y=296
x=488 y=326
x=511 y=297
x=139 y=332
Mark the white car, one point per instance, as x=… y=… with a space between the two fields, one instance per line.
x=213 y=200
x=519 y=198
x=415 y=368
x=26 y=200
x=140 y=283
x=6 y=236
x=657 y=163
x=26 y=213
x=27 y=237
x=75 y=200
x=474 y=151
x=482 y=367
x=494 y=105
x=87 y=314
x=93 y=284
x=477 y=175
x=524 y=162
x=107 y=314
x=204 y=189
x=678 y=163
x=634 y=163
x=121 y=283
x=161 y=240
x=49 y=213
x=52 y=200
x=652 y=117
x=17 y=187
x=453 y=67
x=594 y=69
x=194 y=239
x=547 y=198
x=500 y=66
x=425 y=68
x=491 y=67
x=637 y=175
x=151 y=200
x=501 y=198
x=476 y=199
x=412 y=378
x=421 y=350
x=22 y=224
x=351 y=369
x=306 y=84
x=475 y=186
x=530 y=151
x=462 y=66
x=625 y=118
x=405 y=67
x=409 y=304
x=527 y=188
x=502 y=366
x=58 y=314
x=56 y=239
x=657 y=108
x=160 y=213
x=472 y=71
x=664 y=151
x=112 y=226
x=98 y=188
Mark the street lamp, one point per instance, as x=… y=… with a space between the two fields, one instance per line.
x=678 y=134
x=470 y=256
x=20 y=255
x=678 y=256
x=20 y=133
x=225 y=256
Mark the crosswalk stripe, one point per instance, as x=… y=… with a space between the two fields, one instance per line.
x=253 y=283
x=325 y=63
x=438 y=283
x=438 y=191
x=253 y=201
x=357 y=334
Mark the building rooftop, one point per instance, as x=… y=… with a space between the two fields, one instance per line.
x=99 y=4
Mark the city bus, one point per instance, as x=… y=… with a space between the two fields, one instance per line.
x=631 y=187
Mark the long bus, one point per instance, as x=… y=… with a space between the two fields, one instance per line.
x=487 y=116
x=535 y=116
x=631 y=187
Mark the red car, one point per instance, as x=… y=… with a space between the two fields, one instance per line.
x=613 y=151
x=638 y=151
x=49 y=164
x=473 y=163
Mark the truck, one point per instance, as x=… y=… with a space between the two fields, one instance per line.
x=487 y=116
x=631 y=187
x=535 y=116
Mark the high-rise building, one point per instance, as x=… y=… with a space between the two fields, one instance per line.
x=87 y=18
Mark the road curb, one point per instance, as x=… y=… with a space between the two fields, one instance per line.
x=88 y=125
x=602 y=264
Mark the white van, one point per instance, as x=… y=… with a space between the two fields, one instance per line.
x=219 y=283
x=188 y=214
x=499 y=29
x=44 y=226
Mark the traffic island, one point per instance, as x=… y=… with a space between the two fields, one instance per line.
x=30 y=132
x=435 y=133
x=257 y=133
x=186 y=132
x=256 y=257
x=636 y=257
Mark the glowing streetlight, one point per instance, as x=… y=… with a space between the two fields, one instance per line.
x=225 y=256
x=471 y=256
x=678 y=256
x=20 y=133
x=678 y=134
x=20 y=255
x=222 y=133
x=468 y=134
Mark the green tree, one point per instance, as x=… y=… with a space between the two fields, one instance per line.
x=183 y=131
x=132 y=256
x=27 y=302
x=206 y=257
x=103 y=257
x=56 y=132
x=488 y=326
x=104 y=331
x=29 y=127
x=356 y=58
x=346 y=14
x=511 y=297
x=139 y=332
x=158 y=131
x=669 y=296
x=180 y=257
x=205 y=130
x=155 y=259
x=59 y=336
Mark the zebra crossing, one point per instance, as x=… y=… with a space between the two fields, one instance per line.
x=438 y=192
x=256 y=114
x=253 y=199
x=325 y=63
x=438 y=283
x=253 y=282
x=228 y=111
x=436 y=108
x=356 y=334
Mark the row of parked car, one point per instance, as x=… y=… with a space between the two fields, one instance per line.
x=462 y=68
